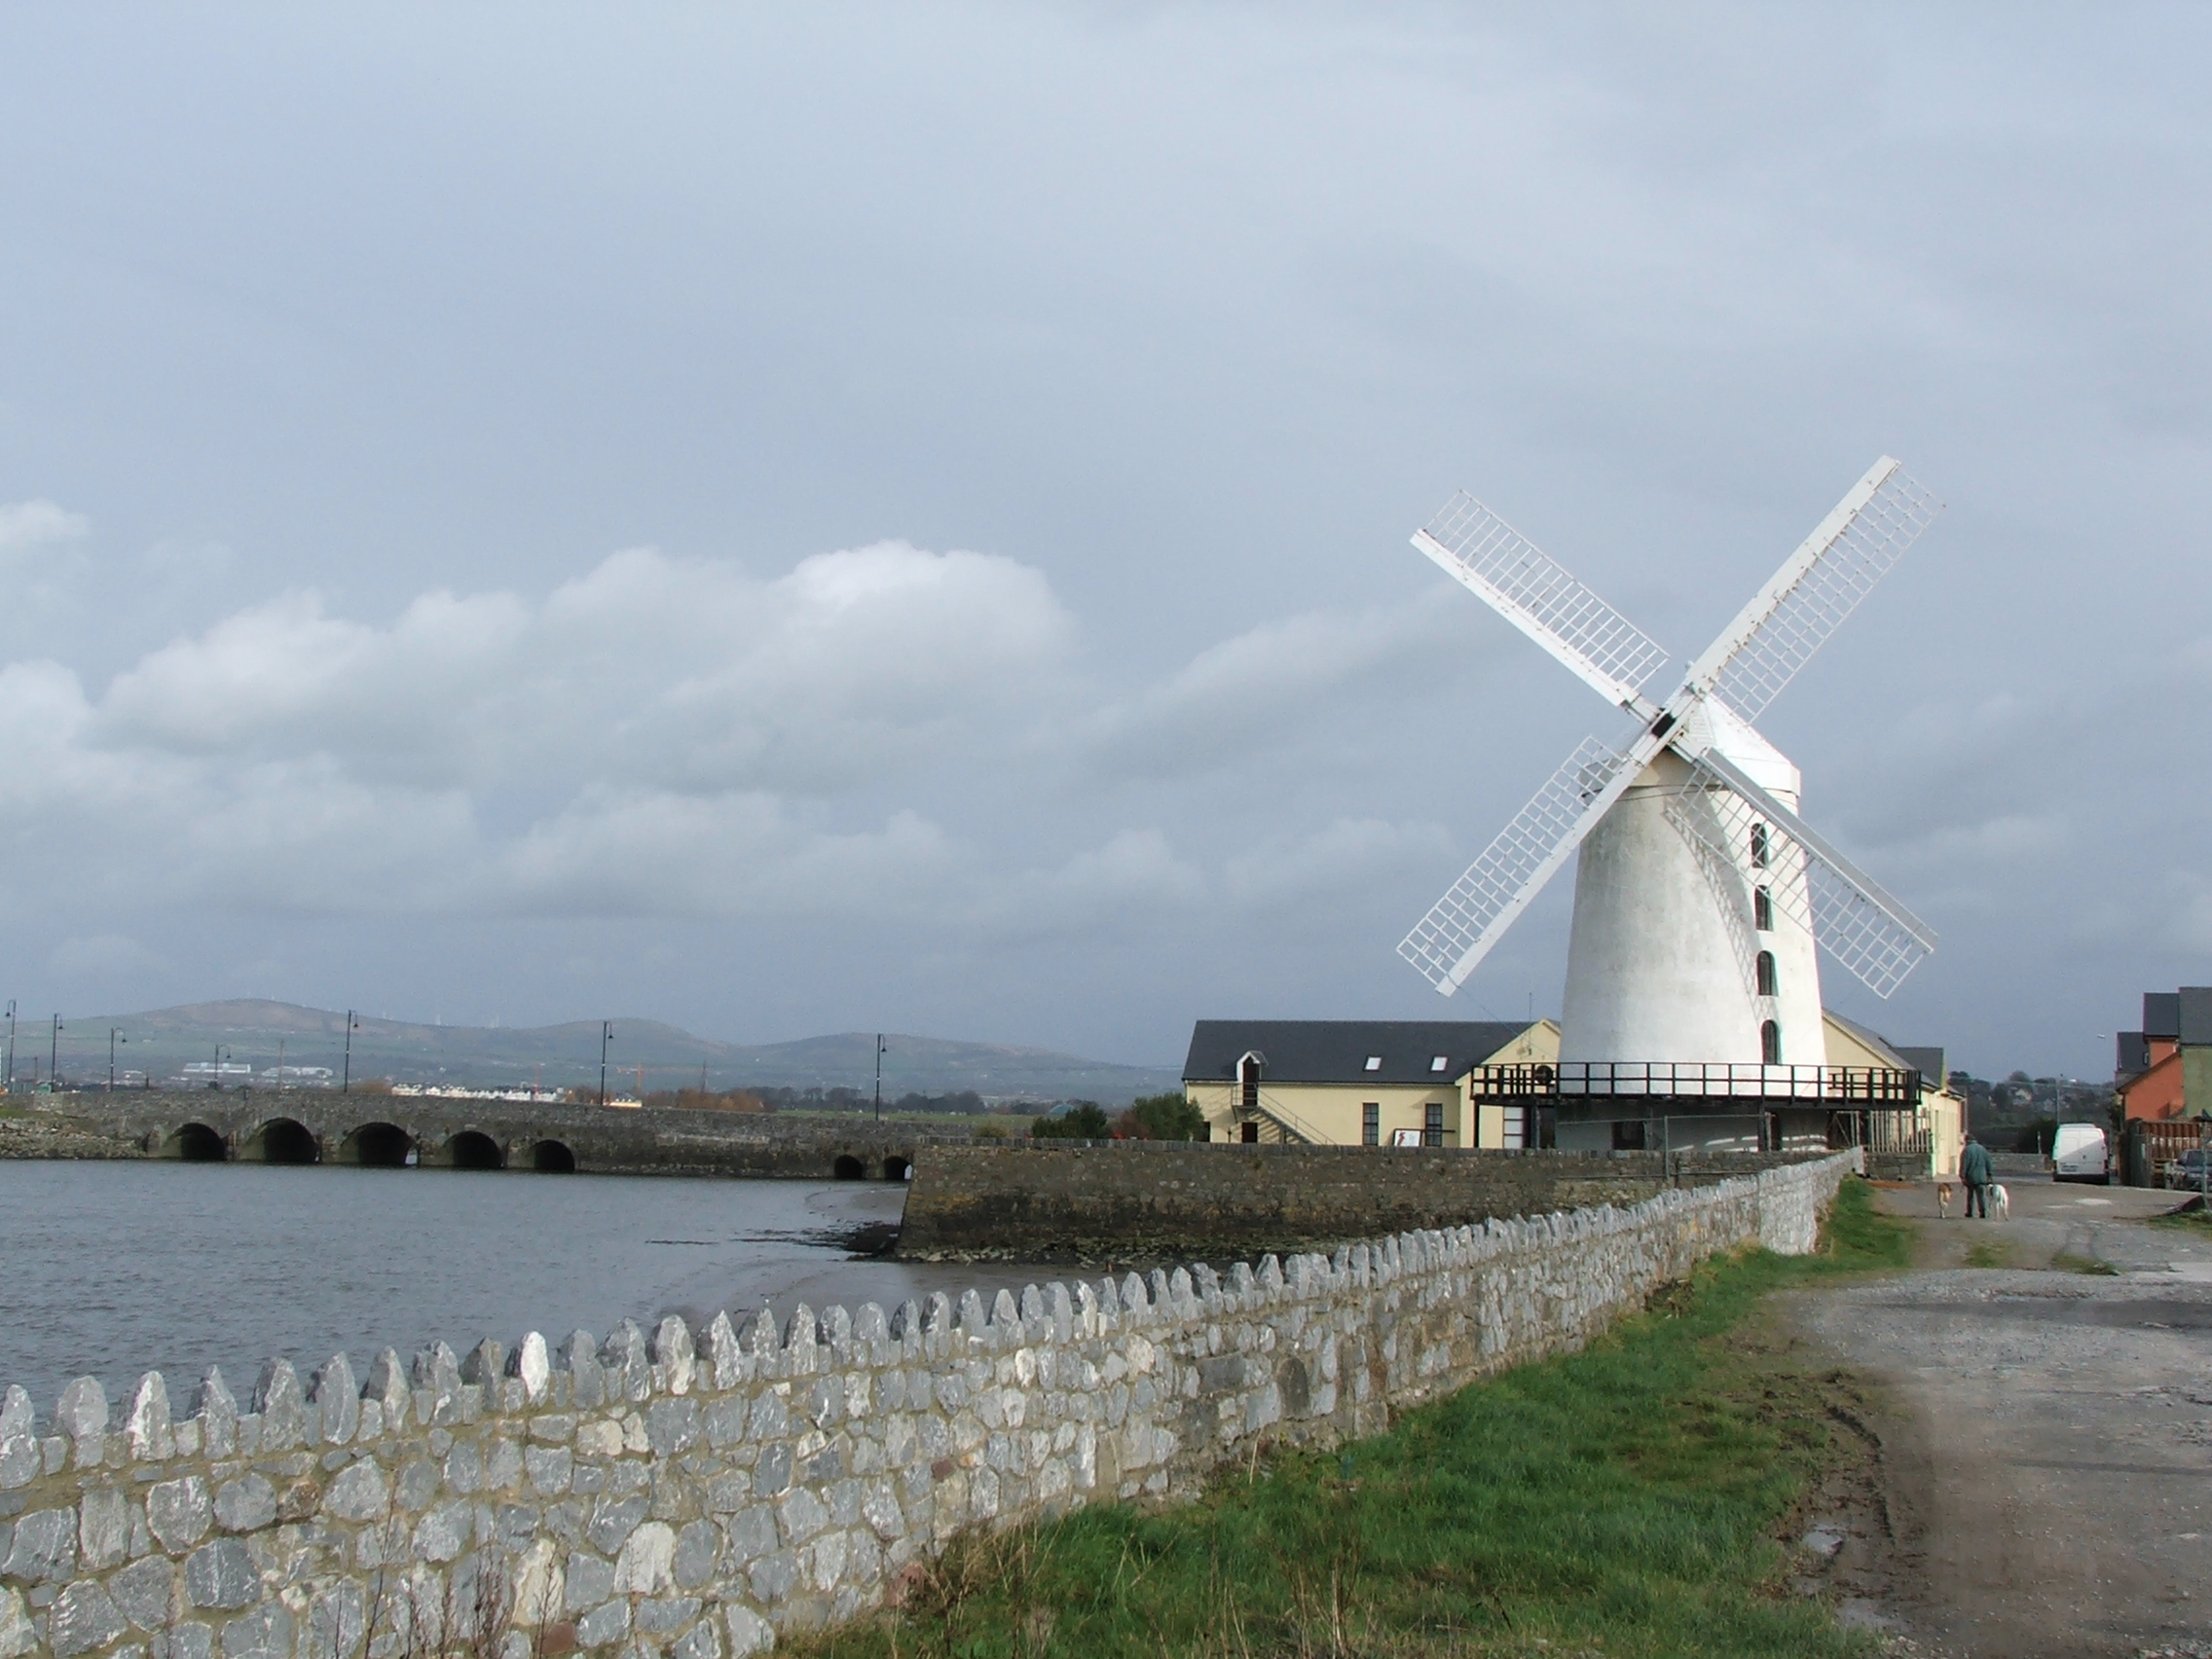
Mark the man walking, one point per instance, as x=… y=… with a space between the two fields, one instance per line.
x=1976 y=1171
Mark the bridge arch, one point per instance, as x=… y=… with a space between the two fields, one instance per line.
x=895 y=1167
x=196 y=1143
x=849 y=1169
x=377 y=1146
x=553 y=1158
x=282 y=1140
x=473 y=1148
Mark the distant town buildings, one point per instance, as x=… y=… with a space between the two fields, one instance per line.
x=2164 y=1071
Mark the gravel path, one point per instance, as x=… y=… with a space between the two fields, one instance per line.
x=2046 y=1448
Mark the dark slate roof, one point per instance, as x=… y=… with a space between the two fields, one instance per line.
x=1927 y=1062
x=1337 y=1050
x=2161 y=1013
x=2195 y=1022
x=2133 y=1056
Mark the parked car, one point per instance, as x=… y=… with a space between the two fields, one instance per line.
x=2186 y=1172
x=2078 y=1154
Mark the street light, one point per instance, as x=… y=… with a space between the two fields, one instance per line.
x=880 y=1052
x=11 y=1044
x=220 y=1054
x=53 y=1056
x=112 y=1041
x=606 y=1036
x=353 y=1025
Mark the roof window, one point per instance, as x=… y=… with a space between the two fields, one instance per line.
x=1440 y=1062
x=1375 y=1063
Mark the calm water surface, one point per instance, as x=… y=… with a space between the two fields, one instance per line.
x=111 y=1270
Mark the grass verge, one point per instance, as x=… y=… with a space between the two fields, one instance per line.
x=1622 y=1500
x=2091 y=1265
x=2197 y=1220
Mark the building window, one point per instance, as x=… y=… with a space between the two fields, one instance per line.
x=1762 y=910
x=1628 y=1136
x=1432 y=1124
x=1764 y=967
x=1440 y=1062
x=1370 y=1123
x=1375 y=1063
x=1758 y=846
x=1770 y=1042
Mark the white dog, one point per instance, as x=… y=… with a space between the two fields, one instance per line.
x=2003 y=1199
x=1943 y=1199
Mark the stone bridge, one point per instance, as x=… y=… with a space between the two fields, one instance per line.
x=398 y=1131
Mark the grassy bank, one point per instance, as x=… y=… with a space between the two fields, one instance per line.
x=1622 y=1500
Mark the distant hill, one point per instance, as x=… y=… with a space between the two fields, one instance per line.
x=237 y=1034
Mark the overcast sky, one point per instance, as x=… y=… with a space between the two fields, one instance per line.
x=815 y=517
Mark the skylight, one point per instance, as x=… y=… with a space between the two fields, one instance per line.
x=1440 y=1062
x=1375 y=1063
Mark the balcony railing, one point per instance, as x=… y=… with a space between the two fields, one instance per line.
x=1678 y=1080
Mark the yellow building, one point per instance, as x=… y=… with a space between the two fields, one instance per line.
x=1360 y=1082
x=1940 y=1122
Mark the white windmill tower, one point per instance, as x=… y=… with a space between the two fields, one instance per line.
x=1700 y=891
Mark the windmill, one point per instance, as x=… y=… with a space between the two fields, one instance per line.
x=1700 y=890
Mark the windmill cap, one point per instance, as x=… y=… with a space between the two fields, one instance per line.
x=1715 y=724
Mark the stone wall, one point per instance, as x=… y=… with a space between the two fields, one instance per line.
x=690 y=1493
x=1134 y=1201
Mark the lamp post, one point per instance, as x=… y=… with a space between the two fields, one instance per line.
x=606 y=1036
x=11 y=1044
x=880 y=1052
x=112 y=1041
x=220 y=1052
x=53 y=1056
x=353 y=1025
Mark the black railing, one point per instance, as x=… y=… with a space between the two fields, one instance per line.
x=1674 y=1080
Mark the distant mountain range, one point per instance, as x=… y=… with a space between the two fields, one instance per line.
x=199 y=1042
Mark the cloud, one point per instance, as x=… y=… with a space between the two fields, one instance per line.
x=658 y=737
x=28 y=526
x=660 y=674
x=99 y=954
x=1347 y=854
x=1257 y=687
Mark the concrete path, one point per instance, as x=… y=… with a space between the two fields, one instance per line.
x=2046 y=1444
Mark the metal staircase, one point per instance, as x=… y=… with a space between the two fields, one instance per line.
x=1290 y=1129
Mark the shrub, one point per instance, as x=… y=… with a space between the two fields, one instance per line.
x=1086 y=1119
x=1161 y=1117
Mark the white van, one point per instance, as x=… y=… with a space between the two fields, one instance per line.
x=2078 y=1154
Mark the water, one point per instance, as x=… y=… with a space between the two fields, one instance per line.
x=110 y=1269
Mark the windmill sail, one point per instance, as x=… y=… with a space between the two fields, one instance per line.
x=1460 y=930
x=1817 y=586
x=1534 y=593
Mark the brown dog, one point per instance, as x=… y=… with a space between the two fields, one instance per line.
x=1943 y=1198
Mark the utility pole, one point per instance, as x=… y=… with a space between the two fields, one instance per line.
x=880 y=1052
x=11 y=1044
x=346 y=1082
x=606 y=1036
x=279 y=1065
x=112 y=1041
x=54 y=1056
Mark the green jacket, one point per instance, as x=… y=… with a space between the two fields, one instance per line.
x=1974 y=1167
